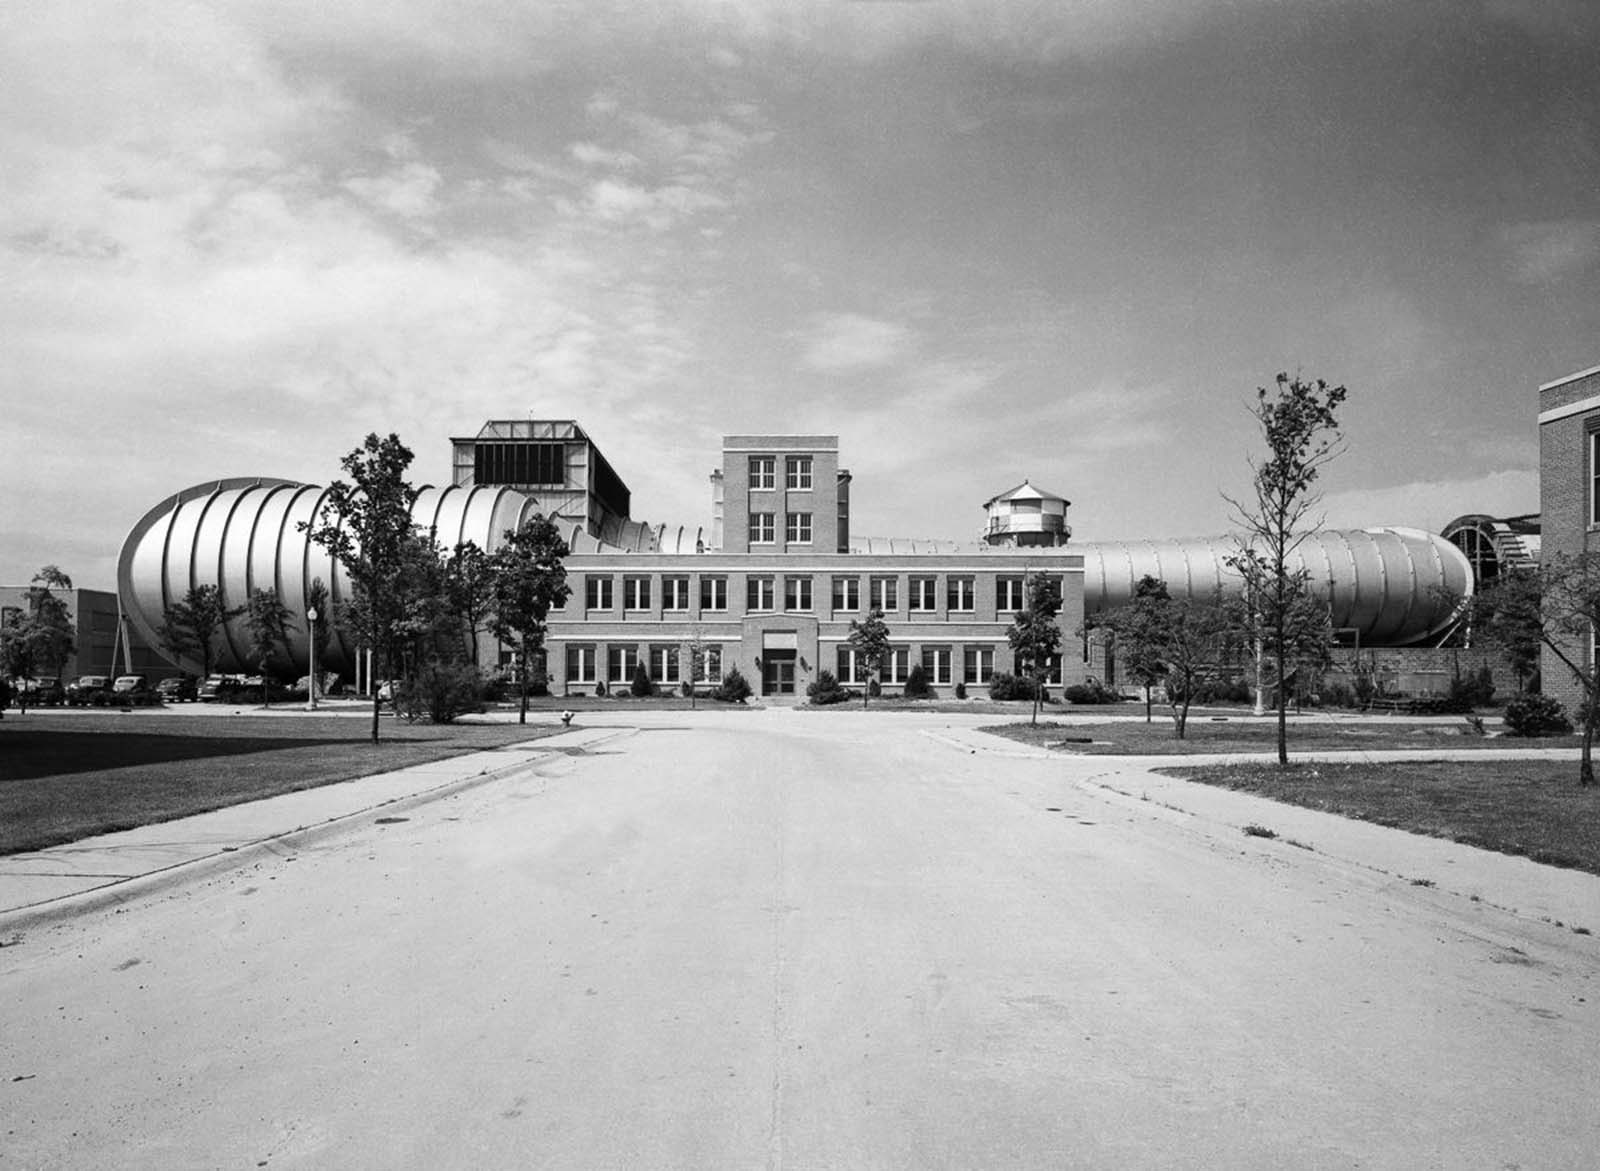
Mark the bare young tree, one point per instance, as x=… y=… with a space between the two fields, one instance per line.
x=1299 y=422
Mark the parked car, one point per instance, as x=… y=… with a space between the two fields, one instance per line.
x=89 y=690
x=133 y=691
x=45 y=693
x=219 y=689
x=178 y=689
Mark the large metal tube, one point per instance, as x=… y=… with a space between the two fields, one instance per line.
x=1390 y=586
x=244 y=534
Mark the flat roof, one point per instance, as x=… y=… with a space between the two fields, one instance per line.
x=1570 y=378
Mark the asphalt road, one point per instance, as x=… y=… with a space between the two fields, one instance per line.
x=800 y=940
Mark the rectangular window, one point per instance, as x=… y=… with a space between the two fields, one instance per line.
x=847 y=593
x=1594 y=477
x=635 y=593
x=897 y=665
x=620 y=664
x=921 y=593
x=959 y=595
x=885 y=593
x=580 y=664
x=675 y=593
x=849 y=667
x=763 y=471
x=799 y=469
x=664 y=663
x=597 y=593
x=709 y=668
x=797 y=593
x=763 y=528
x=797 y=528
x=758 y=593
x=713 y=593
x=978 y=664
x=1008 y=593
x=936 y=664
x=1052 y=669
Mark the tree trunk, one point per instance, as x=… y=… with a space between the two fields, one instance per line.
x=522 y=714
x=1591 y=709
x=1149 y=699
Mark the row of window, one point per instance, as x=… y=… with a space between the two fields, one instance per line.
x=671 y=663
x=764 y=472
x=764 y=528
x=761 y=593
x=666 y=663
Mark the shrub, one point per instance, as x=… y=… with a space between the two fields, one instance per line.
x=1337 y=694
x=1536 y=715
x=733 y=689
x=961 y=691
x=826 y=690
x=1003 y=685
x=641 y=685
x=686 y=689
x=1092 y=691
x=440 y=691
x=539 y=684
x=874 y=689
x=1214 y=691
x=600 y=690
x=917 y=684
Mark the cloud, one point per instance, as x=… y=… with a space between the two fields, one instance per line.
x=407 y=191
x=838 y=343
x=1432 y=504
x=1542 y=253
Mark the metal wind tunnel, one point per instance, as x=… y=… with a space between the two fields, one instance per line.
x=244 y=535
x=1387 y=587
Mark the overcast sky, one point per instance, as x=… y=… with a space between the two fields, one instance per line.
x=1055 y=239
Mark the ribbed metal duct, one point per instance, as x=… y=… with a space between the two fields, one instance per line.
x=244 y=535
x=1393 y=586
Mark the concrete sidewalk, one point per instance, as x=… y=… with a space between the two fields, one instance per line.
x=113 y=868
x=1549 y=894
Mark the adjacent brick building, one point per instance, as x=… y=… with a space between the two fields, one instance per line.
x=1569 y=498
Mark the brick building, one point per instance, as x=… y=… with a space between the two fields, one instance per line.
x=776 y=587
x=1569 y=498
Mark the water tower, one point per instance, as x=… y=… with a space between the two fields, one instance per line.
x=1027 y=517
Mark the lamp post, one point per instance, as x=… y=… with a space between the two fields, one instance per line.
x=311 y=655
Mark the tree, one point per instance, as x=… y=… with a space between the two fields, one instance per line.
x=1564 y=594
x=1034 y=635
x=469 y=575
x=1299 y=421
x=869 y=638
x=41 y=638
x=365 y=524
x=267 y=627
x=1196 y=637
x=190 y=626
x=1139 y=629
x=1505 y=615
x=529 y=581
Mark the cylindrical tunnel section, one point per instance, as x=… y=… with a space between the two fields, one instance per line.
x=245 y=534
x=1386 y=586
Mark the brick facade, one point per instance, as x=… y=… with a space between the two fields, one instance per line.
x=1569 y=420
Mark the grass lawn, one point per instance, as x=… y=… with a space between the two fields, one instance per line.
x=63 y=778
x=1126 y=737
x=1532 y=808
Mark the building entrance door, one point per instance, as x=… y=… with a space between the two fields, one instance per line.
x=777 y=672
